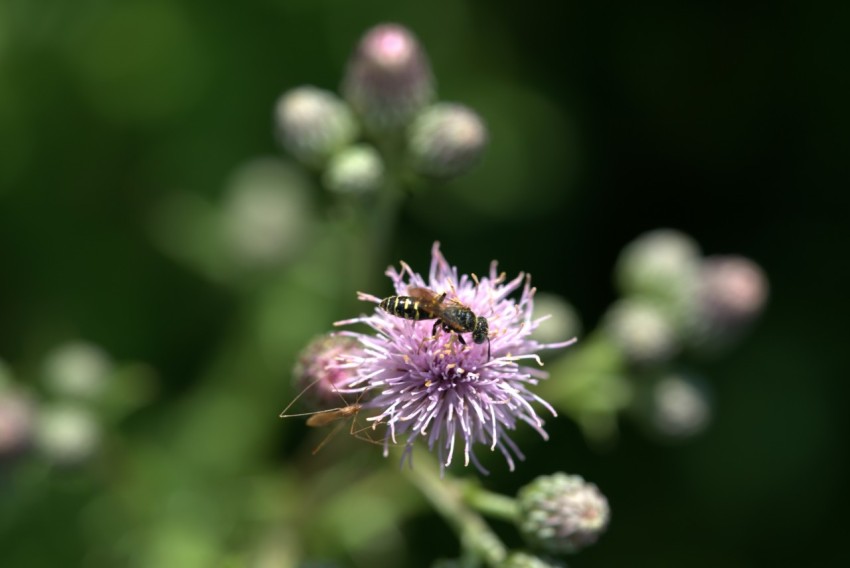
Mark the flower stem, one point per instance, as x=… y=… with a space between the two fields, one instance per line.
x=446 y=495
x=492 y=504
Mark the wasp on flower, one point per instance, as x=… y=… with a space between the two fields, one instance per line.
x=451 y=316
x=424 y=385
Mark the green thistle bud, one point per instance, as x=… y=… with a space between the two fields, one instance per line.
x=266 y=216
x=679 y=406
x=313 y=124
x=642 y=330
x=661 y=264
x=77 y=370
x=562 y=322
x=357 y=169
x=67 y=434
x=562 y=513
x=388 y=79
x=526 y=560
x=446 y=140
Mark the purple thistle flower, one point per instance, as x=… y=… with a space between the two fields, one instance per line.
x=440 y=390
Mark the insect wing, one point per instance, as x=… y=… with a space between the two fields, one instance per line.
x=326 y=417
x=430 y=302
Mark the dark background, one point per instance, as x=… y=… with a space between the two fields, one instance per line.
x=727 y=121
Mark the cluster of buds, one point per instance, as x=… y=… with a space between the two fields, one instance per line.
x=386 y=120
x=60 y=427
x=17 y=418
x=676 y=299
x=62 y=422
x=678 y=302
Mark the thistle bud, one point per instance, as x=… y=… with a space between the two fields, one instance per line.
x=266 y=215
x=642 y=330
x=562 y=513
x=16 y=423
x=77 y=370
x=357 y=169
x=679 y=406
x=562 y=321
x=661 y=264
x=313 y=124
x=67 y=434
x=320 y=371
x=731 y=293
x=388 y=78
x=446 y=140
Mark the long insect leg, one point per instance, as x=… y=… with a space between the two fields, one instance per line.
x=330 y=435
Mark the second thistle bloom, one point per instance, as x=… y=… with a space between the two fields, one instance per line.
x=452 y=395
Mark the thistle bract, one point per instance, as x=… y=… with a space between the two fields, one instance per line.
x=434 y=387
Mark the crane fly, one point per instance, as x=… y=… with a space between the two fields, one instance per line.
x=320 y=418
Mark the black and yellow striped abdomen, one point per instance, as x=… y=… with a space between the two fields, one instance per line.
x=404 y=307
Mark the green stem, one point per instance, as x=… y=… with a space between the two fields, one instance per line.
x=446 y=495
x=492 y=504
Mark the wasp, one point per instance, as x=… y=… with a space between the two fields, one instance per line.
x=423 y=304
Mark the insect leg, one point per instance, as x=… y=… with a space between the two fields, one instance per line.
x=327 y=438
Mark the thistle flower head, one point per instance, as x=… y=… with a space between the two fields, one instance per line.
x=562 y=513
x=316 y=372
x=452 y=395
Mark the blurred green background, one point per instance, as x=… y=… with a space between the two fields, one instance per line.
x=726 y=121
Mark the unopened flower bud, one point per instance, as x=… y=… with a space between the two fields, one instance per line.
x=562 y=322
x=388 y=79
x=313 y=124
x=731 y=293
x=679 y=406
x=266 y=214
x=321 y=372
x=16 y=422
x=446 y=140
x=67 y=434
x=642 y=331
x=357 y=169
x=77 y=370
x=562 y=513
x=661 y=264
x=526 y=560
